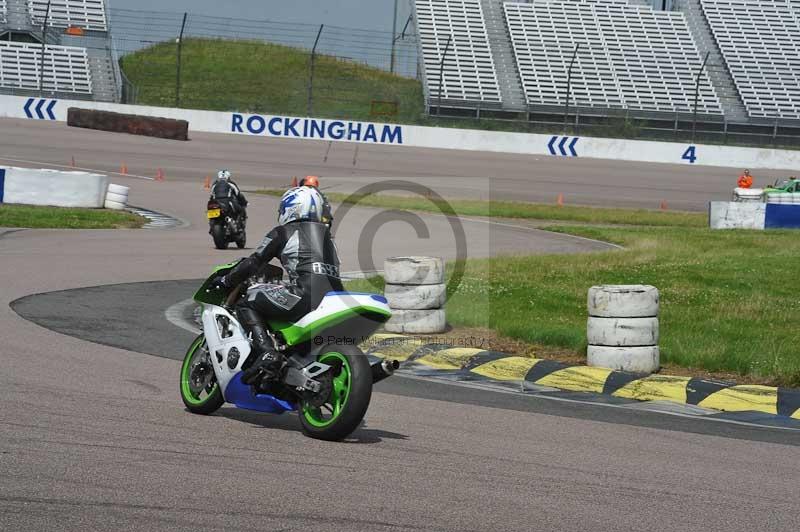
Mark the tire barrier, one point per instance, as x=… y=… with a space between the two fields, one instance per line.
x=28 y=186
x=114 y=205
x=622 y=332
x=473 y=365
x=149 y=126
x=416 y=293
x=622 y=329
x=623 y=301
x=422 y=297
x=783 y=198
x=413 y=270
x=116 y=197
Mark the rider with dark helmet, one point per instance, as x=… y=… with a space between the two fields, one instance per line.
x=305 y=248
x=224 y=190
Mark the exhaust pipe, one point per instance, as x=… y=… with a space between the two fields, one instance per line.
x=383 y=368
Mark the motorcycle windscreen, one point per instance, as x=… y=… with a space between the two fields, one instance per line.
x=205 y=294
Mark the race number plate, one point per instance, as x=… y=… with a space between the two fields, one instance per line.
x=214 y=213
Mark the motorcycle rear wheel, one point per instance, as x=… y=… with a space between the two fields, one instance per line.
x=349 y=396
x=200 y=390
x=218 y=234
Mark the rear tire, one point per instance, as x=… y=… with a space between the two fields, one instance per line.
x=218 y=234
x=349 y=397
x=200 y=391
x=241 y=242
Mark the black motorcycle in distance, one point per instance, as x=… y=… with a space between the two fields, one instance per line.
x=225 y=225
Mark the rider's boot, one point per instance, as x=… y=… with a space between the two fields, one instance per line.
x=264 y=362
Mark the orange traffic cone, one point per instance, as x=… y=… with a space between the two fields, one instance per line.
x=72 y=163
x=123 y=169
x=560 y=200
x=663 y=205
x=294 y=181
x=160 y=175
x=207 y=184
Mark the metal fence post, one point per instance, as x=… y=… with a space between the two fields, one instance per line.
x=775 y=131
x=44 y=46
x=697 y=95
x=178 y=65
x=311 y=72
x=394 y=38
x=441 y=74
x=569 y=85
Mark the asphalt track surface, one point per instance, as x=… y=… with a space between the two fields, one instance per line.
x=94 y=437
x=266 y=162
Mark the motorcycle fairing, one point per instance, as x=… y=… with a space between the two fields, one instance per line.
x=224 y=333
x=337 y=308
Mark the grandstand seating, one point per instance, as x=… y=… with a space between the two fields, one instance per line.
x=469 y=71
x=88 y=14
x=760 y=42
x=655 y=59
x=66 y=68
x=630 y=56
x=3 y=10
x=544 y=36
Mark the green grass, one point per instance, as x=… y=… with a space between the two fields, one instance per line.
x=533 y=211
x=259 y=77
x=730 y=300
x=66 y=218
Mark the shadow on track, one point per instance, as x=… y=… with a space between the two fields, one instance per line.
x=291 y=423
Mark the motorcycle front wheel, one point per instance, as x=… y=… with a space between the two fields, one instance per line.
x=340 y=413
x=200 y=391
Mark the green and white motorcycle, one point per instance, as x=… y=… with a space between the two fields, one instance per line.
x=327 y=379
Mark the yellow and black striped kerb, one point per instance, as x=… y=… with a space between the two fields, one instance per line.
x=716 y=395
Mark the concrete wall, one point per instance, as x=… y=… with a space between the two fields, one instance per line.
x=52 y=187
x=736 y=215
x=780 y=216
x=751 y=215
x=425 y=137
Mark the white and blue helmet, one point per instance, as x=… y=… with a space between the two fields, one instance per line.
x=300 y=204
x=223 y=175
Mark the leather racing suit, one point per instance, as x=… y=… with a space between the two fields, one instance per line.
x=308 y=255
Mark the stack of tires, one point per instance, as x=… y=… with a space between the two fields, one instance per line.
x=116 y=197
x=416 y=292
x=623 y=330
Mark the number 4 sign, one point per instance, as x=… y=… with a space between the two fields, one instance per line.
x=690 y=154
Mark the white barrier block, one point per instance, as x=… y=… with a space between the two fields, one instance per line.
x=736 y=215
x=28 y=186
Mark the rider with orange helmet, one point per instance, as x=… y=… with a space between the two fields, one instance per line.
x=313 y=182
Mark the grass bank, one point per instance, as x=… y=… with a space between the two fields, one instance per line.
x=66 y=218
x=729 y=299
x=260 y=77
x=522 y=210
